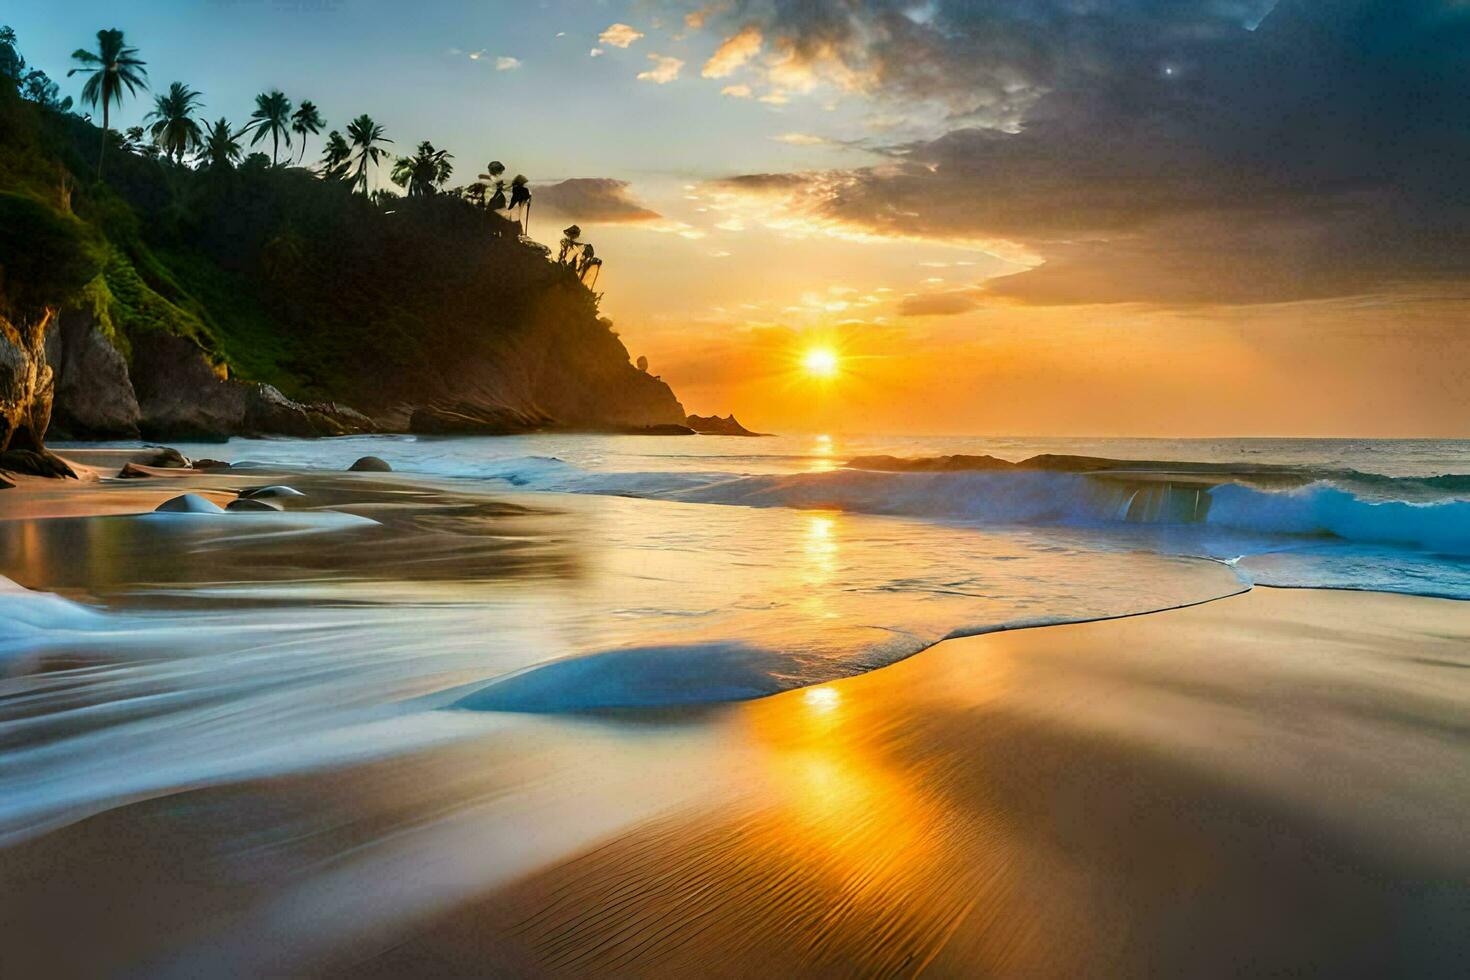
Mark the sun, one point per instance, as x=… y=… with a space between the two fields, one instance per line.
x=820 y=362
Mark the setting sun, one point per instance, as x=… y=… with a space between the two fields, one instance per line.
x=820 y=362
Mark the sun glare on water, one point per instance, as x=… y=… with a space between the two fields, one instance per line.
x=820 y=362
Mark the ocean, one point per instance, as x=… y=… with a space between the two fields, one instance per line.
x=557 y=574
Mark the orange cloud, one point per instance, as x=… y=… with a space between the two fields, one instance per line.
x=733 y=52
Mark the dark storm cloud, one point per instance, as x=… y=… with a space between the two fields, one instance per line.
x=594 y=199
x=1172 y=154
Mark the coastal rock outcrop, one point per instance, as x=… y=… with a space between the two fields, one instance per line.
x=469 y=419
x=94 y=397
x=713 y=425
x=26 y=384
x=182 y=396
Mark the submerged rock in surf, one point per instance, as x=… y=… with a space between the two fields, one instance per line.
x=640 y=677
x=253 y=504
x=267 y=493
x=370 y=464
x=189 y=503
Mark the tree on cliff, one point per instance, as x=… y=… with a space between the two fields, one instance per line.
x=174 y=129
x=366 y=136
x=221 y=146
x=336 y=157
x=112 y=67
x=425 y=172
x=272 y=117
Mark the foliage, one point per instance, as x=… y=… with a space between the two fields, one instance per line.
x=111 y=68
x=175 y=131
x=46 y=257
x=221 y=146
x=425 y=172
x=272 y=117
x=306 y=121
x=287 y=276
x=366 y=138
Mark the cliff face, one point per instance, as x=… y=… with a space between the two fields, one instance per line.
x=563 y=372
x=168 y=302
x=26 y=383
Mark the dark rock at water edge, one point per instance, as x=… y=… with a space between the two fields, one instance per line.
x=664 y=429
x=469 y=419
x=212 y=464
x=370 y=464
x=182 y=396
x=94 y=397
x=336 y=419
x=268 y=412
x=36 y=463
x=713 y=425
x=163 y=458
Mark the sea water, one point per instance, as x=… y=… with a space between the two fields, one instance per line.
x=555 y=574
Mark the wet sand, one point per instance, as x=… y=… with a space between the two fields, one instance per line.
x=1269 y=783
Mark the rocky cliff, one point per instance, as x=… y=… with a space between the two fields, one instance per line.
x=169 y=302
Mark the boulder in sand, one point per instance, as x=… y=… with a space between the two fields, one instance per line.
x=212 y=464
x=34 y=462
x=163 y=458
x=370 y=464
x=251 y=504
x=189 y=503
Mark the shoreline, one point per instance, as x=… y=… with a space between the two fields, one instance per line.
x=968 y=804
x=1272 y=779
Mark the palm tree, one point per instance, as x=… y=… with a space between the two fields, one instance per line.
x=424 y=172
x=174 y=129
x=112 y=67
x=221 y=145
x=272 y=116
x=306 y=121
x=336 y=157
x=365 y=136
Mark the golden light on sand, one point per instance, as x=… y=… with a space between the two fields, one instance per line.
x=820 y=362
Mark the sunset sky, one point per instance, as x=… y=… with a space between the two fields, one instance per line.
x=1134 y=217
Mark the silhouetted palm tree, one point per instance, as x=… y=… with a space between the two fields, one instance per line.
x=365 y=135
x=272 y=116
x=424 y=172
x=112 y=67
x=174 y=129
x=306 y=121
x=221 y=146
x=336 y=157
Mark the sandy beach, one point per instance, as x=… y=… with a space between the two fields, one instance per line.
x=1272 y=782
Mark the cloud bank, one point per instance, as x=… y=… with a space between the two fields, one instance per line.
x=1159 y=151
x=595 y=199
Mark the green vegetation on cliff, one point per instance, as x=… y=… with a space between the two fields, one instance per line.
x=284 y=275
